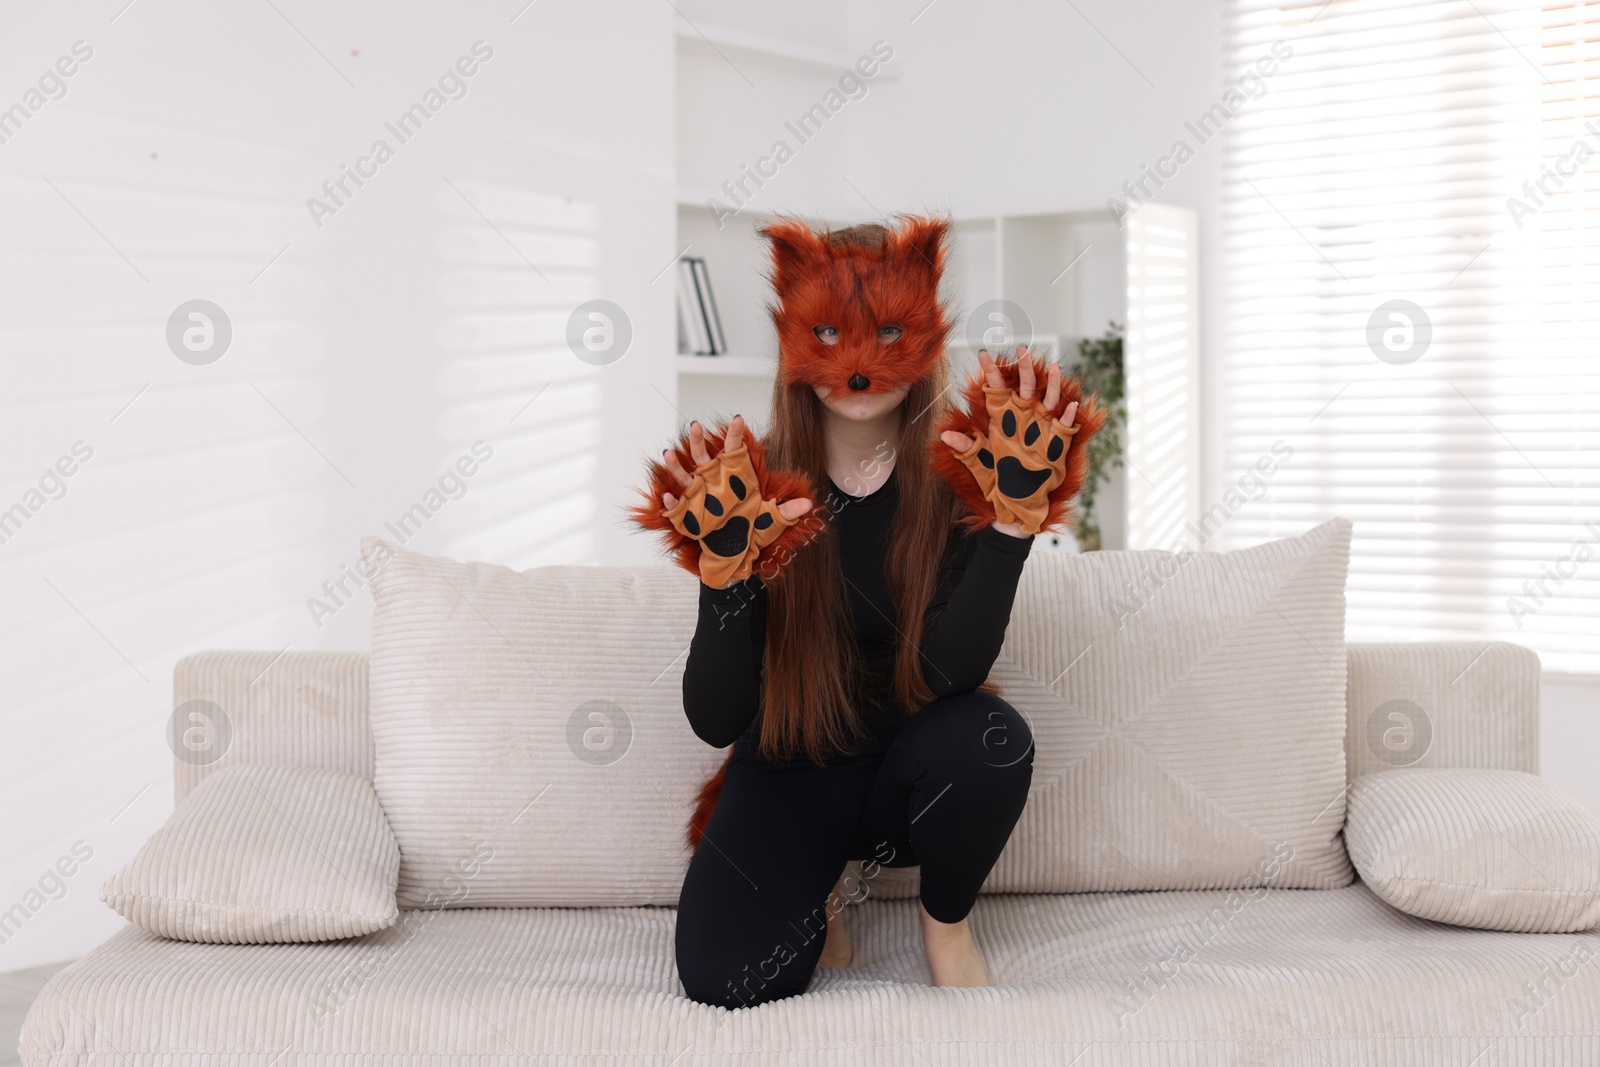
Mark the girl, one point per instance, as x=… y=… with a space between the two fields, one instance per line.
x=842 y=650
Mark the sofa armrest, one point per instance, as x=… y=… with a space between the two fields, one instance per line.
x=305 y=709
x=1442 y=704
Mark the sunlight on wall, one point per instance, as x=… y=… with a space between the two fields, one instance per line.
x=194 y=488
x=508 y=376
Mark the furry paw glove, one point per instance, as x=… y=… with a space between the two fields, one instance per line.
x=1024 y=466
x=723 y=509
x=725 y=524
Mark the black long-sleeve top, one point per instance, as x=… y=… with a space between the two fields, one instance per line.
x=967 y=617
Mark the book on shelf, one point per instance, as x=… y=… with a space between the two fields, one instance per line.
x=691 y=327
x=699 y=325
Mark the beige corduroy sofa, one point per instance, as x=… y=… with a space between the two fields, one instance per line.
x=1175 y=976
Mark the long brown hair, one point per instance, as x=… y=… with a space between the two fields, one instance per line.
x=813 y=668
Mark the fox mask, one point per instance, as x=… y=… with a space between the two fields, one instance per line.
x=858 y=310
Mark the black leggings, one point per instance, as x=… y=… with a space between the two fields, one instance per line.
x=755 y=900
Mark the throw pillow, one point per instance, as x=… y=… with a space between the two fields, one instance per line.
x=1188 y=717
x=535 y=719
x=262 y=853
x=1493 y=849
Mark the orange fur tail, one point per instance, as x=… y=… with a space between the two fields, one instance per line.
x=705 y=802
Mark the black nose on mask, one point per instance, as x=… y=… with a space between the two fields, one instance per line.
x=858 y=382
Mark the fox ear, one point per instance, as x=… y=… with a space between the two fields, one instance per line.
x=920 y=243
x=797 y=253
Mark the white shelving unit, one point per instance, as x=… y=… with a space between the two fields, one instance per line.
x=740 y=382
x=727 y=366
x=1071 y=273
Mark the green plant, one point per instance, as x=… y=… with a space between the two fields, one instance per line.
x=1099 y=366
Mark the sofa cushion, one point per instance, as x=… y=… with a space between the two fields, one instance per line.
x=537 y=716
x=1441 y=704
x=262 y=852
x=1259 y=976
x=1499 y=850
x=1188 y=715
x=303 y=708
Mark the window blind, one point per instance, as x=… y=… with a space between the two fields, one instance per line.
x=1415 y=350
x=1159 y=358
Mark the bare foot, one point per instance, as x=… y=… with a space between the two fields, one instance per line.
x=953 y=955
x=836 y=948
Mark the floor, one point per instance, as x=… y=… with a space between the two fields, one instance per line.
x=17 y=991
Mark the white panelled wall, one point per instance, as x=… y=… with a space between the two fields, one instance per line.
x=401 y=369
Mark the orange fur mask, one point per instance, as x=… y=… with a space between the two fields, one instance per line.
x=841 y=296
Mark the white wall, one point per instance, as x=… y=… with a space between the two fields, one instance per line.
x=1020 y=106
x=365 y=359
x=1569 y=735
x=1013 y=107
x=1036 y=107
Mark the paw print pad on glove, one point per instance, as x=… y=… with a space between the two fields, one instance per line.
x=722 y=508
x=1022 y=459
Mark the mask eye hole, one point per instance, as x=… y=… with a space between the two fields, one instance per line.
x=828 y=335
x=889 y=333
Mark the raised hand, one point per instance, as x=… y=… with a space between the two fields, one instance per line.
x=721 y=505
x=1017 y=448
